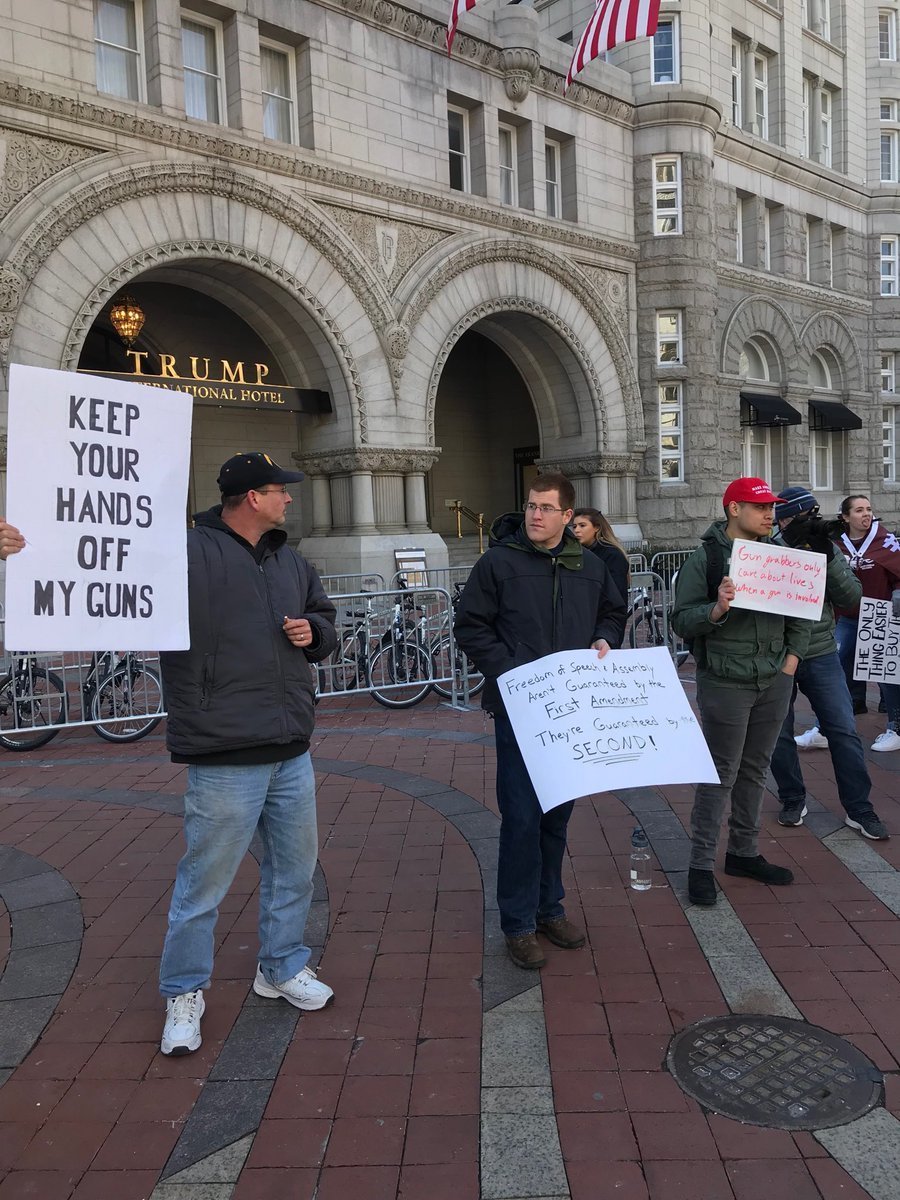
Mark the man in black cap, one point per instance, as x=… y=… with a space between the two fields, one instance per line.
x=241 y=713
x=820 y=677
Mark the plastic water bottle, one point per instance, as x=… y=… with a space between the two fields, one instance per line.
x=641 y=879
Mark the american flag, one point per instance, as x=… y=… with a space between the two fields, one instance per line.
x=613 y=22
x=458 y=7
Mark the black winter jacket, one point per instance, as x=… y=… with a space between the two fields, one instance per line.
x=242 y=683
x=521 y=602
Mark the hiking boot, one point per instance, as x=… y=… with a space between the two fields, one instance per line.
x=811 y=740
x=869 y=826
x=701 y=887
x=757 y=868
x=889 y=740
x=561 y=932
x=525 y=951
x=793 y=814
x=181 y=1033
x=303 y=990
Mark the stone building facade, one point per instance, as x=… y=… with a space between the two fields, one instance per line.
x=685 y=268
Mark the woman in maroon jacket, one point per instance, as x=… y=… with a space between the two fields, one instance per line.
x=874 y=557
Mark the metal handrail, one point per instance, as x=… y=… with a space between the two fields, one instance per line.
x=477 y=519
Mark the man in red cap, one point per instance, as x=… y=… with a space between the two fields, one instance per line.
x=745 y=666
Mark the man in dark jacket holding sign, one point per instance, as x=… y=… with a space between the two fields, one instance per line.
x=533 y=593
x=745 y=666
x=241 y=714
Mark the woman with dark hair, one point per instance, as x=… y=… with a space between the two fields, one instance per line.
x=595 y=533
x=874 y=557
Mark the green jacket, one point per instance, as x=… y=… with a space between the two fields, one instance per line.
x=842 y=590
x=744 y=649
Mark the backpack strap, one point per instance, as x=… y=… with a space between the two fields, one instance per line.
x=715 y=566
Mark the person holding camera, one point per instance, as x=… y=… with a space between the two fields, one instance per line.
x=820 y=677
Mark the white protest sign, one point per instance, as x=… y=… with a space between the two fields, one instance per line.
x=97 y=483
x=586 y=724
x=776 y=579
x=877 y=643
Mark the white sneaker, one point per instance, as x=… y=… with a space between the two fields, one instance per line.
x=303 y=991
x=181 y=1033
x=889 y=740
x=811 y=740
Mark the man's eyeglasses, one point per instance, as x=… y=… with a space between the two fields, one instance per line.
x=265 y=491
x=544 y=509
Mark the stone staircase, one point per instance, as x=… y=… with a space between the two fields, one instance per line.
x=463 y=551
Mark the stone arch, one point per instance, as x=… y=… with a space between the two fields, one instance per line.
x=827 y=329
x=561 y=304
x=197 y=264
x=300 y=244
x=755 y=315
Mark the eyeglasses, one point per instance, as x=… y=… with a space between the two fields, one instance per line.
x=544 y=509
x=265 y=491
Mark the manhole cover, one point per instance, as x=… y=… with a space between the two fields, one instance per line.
x=774 y=1071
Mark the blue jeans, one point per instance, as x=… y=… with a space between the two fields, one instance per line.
x=845 y=635
x=532 y=842
x=822 y=681
x=223 y=808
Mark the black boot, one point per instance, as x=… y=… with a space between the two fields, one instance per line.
x=701 y=887
x=757 y=868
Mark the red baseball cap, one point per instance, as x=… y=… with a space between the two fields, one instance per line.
x=749 y=490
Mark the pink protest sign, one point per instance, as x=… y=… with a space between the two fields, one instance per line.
x=776 y=579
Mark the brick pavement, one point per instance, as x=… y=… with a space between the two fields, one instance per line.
x=395 y=1090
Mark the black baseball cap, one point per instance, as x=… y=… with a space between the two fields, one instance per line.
x=250 y=472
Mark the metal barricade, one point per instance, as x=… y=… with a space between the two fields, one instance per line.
x=668 y=563
x=339 y=585
x=637 y=562
x=649 y=616
x=396 y=645
x=439 y=577
x=116 y=693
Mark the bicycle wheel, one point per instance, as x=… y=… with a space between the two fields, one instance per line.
x=125 y=704
x=32 y=709
x=442 y=670
x=400 y=675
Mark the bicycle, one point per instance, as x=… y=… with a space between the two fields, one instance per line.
x=397 y=673
x=449 y=662
x=649 y=623
x=120 y=695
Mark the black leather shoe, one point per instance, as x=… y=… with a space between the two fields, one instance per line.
x=757 y=868
x=701 y=887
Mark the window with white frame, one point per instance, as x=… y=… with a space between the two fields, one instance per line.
x=739 y=229
x=889 y=374
x=807 y=246
x=667 y=217
x=737 y=83
x=458 y=148
x=201 y=42
x=757 y=451
x=890 y=142
x=666 y=51
x=821 y=459
x=890 y=276
x=671 y=433
x=508 y=158
x=767 y=238
x=278 y=72
x=806 y=110
x=887 y=34
x=826 y=104
x=669 y=351
x=552 y=177
x=760 y=95
x=889 y=443
x=817 y=17
x=117 y=38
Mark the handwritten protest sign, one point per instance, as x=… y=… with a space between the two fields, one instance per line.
x=97 y=483
x=586 y=724
x=877 y=643
x=776 y=579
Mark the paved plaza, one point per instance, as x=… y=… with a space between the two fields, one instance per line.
x=441 y=1072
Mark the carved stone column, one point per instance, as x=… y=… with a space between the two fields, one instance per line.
x=613 y=482
x=372 y=489
x=362 y=500
x=416 y=509
x=600 y=492
x=321 y=514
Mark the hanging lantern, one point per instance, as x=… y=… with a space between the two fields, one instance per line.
x=127 y=318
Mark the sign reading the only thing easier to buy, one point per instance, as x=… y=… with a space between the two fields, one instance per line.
x=97 y=483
